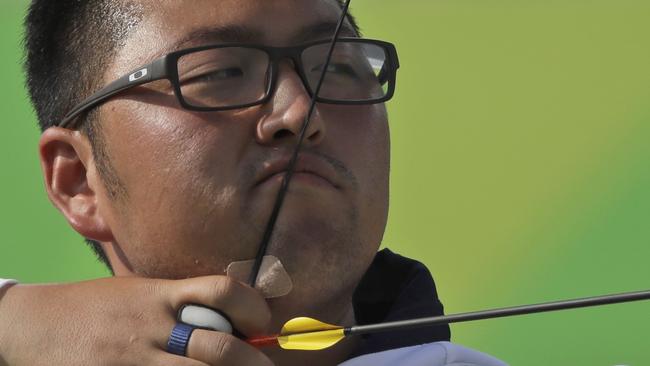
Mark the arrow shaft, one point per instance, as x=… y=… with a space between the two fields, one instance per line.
x=305 y=339
x=500 y=313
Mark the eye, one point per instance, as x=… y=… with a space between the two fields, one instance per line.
x=217 y=75
x=337 y=68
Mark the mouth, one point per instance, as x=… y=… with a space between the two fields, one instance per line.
x=309 y=170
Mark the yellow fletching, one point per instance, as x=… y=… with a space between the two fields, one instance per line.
x=311 y=341
x=304 y=324
x=309 y=334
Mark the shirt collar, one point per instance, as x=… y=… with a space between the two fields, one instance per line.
x=397 y=288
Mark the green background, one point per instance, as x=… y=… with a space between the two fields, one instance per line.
x=519 y=168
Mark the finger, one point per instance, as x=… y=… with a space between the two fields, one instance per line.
x=168 y=359
x=215 y=348
x=245 y=306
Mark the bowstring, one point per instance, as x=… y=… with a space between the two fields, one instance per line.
x=279 y=200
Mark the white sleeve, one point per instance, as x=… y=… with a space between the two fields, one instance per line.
x=431 y=354
x=4 y=282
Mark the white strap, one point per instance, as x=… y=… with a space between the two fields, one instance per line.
x=203 y=317
x=5 y=283
x=431 y=354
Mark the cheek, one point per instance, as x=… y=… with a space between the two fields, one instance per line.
x=361 y=139
x=181 y=184
x=376 y=154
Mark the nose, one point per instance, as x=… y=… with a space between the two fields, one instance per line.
x=289 y=106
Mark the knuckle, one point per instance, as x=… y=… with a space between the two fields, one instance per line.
x=153 y=287
x=223 y=287
x=148 y=290
x=139 y=318
x=213 y=348
x=222 y=347
x=140 y=323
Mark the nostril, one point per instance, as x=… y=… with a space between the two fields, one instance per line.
x=314 y=136
x=282 y=134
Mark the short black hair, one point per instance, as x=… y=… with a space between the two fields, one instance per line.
x=68 y=43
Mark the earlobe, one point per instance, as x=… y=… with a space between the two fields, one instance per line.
x=70 y=181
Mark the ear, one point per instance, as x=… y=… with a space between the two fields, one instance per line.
x=72 y=183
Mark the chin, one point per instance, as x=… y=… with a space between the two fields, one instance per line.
x=323 y=269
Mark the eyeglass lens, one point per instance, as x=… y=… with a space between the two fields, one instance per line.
x=231 y=76
x=222 y=77
x=354 y=73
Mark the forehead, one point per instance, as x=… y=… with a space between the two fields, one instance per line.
x=169 y=25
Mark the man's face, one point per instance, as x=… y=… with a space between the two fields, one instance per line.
x=196 y=195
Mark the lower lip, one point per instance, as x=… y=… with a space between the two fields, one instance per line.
x=301 y=178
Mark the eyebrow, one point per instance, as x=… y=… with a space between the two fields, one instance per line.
x=242 y=34
x=322 y=30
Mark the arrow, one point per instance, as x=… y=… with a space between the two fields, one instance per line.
x=305 y=334
x=310 y=334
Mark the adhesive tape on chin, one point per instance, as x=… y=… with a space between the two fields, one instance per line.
x=272 y=281
x=204 y=317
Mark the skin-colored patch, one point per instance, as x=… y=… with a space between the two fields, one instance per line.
x=273 y=280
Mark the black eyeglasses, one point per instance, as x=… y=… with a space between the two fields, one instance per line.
x=231 y=76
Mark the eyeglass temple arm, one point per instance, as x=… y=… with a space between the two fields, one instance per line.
x=154 y=71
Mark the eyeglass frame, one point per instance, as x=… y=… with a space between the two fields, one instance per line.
x=166 y=67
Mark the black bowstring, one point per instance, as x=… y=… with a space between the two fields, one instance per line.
x=413 y=323
x=261 y=251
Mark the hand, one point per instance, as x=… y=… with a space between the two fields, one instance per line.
x=126 y=321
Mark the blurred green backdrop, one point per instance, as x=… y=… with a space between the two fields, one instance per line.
x=519 y=169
